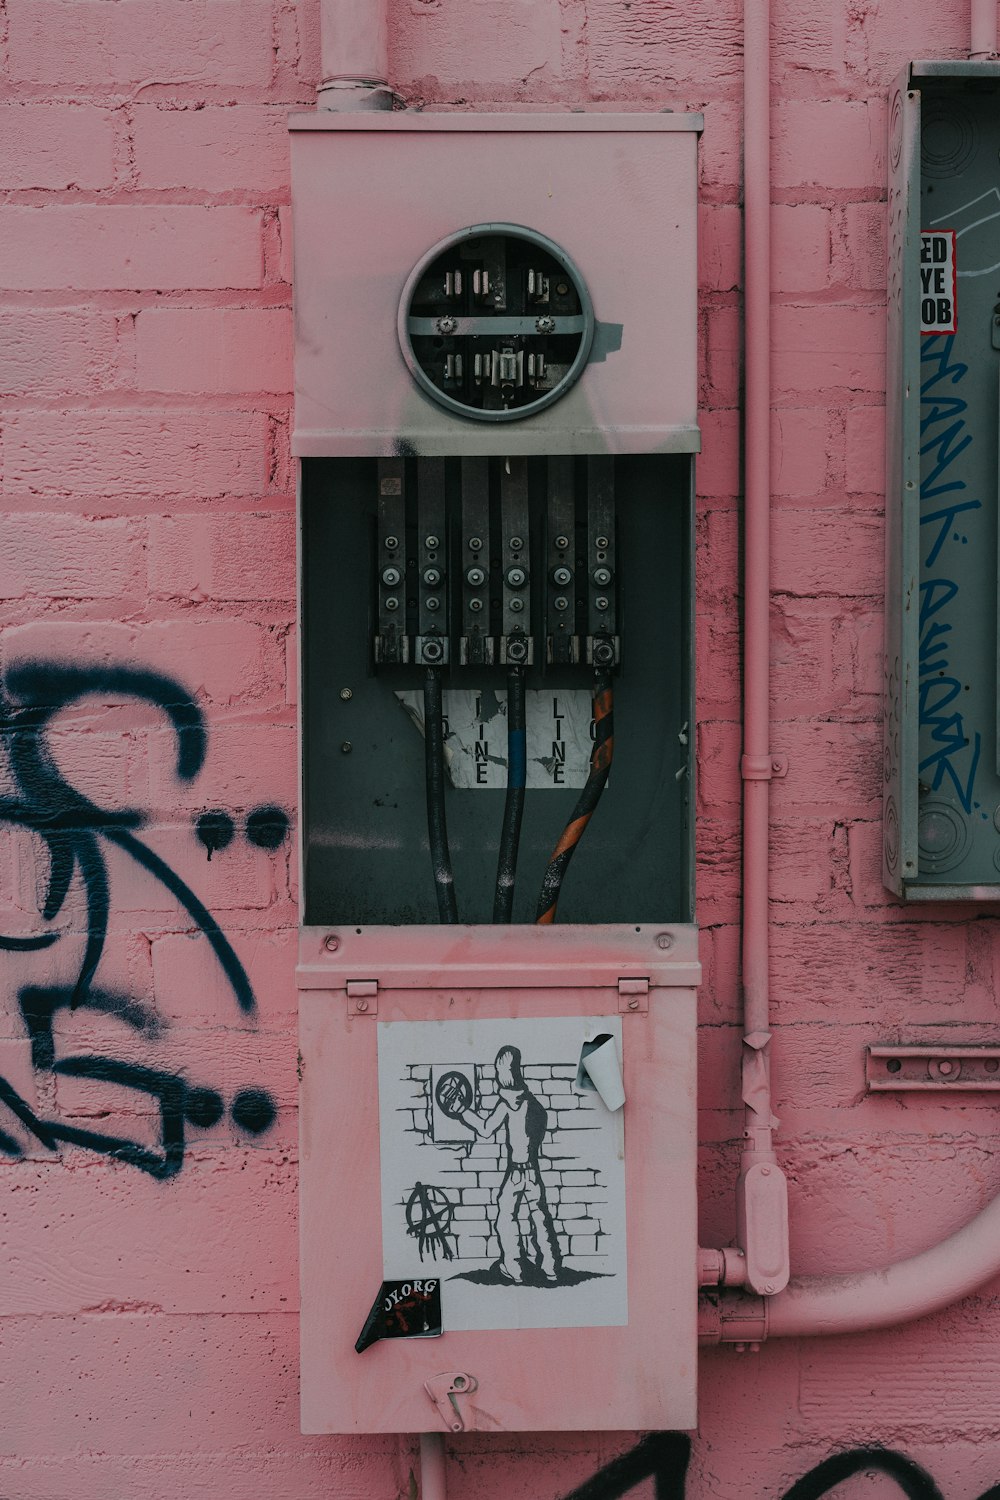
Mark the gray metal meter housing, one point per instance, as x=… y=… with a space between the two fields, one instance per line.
x=495 y=323
x=941 y=782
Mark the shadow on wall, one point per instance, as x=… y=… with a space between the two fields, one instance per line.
x=76 y=833
x=663 y=1457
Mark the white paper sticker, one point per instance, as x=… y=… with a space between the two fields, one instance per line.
x=938 y=282
x=499 y=1175
x=559 y=734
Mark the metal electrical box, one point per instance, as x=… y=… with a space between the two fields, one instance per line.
x=941 y=804
x=495 y=412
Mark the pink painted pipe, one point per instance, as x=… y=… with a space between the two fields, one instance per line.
x=984 y=29
x=433 y=1483
x=354 y=55
x=761 y=1194
x=862 y=1301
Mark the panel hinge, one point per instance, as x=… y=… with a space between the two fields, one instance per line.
x=362 y=997
x=633 y=995
x=763 y=767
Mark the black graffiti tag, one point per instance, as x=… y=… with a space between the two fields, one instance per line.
x=429 y=1214
x=76 y=832
x=663 y=1457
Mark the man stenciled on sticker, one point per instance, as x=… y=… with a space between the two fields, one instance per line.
x=523 y=1121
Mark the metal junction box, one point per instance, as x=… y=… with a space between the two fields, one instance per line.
x=495 y=412
x=942 y=749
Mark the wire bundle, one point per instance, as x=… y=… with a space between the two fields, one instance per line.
x=600 y=765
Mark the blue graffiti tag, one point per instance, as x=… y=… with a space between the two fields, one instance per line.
x=954 y=754
x=73 y=829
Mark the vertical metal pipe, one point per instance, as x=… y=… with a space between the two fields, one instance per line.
x=354 y=55
x=984 y=29
x=433 y=1484
x=761 y=1192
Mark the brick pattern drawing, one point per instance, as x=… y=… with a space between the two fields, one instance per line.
x=471 y=1172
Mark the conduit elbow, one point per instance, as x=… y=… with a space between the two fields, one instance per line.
x=732 y=1319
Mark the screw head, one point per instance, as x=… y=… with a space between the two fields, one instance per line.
x=601 y=602
x=475 y=577
x=346 y=694
x=361 y=1004
x=391 y=577
x=432 y=577
x=432 y=543
x=545 y=324
x=433 y=602
x=768 y=1287
x=560 y=603
x=516 y=577
x=517 y=651
x=475 y=544
x=633 y=1003
x=392 y=603
x=517 y=605
x=664 y=940
x=475 y=605
x=516 y=543
x=391 y=543
x=447 y=325
x=561 y=542
x=331 y=942
x=562 y=577
x=602 y=577
x=601 y=541
x=346 y=747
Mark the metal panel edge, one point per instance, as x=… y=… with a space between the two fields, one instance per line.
x=902 y=521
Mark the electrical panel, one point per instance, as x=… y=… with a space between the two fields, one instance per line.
x=495 y=415
x=941 y=813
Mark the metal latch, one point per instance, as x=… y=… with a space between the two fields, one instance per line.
x=362 y=997
x=633 y=995
x=443 y=1390
x=948 y=1069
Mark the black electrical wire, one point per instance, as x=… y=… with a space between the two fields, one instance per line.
x=600 y=765
x=513 y=809
x=437 y=827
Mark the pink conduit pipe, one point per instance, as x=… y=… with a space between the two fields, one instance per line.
x=937 y=1277
x=865 y=1300
x=354 y=55
x=433 y=1484
x=984 y=29
x=762 y=1197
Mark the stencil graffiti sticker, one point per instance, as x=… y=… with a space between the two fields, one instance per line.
x=938 y=282
x=502 y=1175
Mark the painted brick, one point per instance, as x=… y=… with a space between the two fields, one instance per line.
x=214 y=349
x=56 y=146
x=718 y=470
x=66 y=557
x=137 y=452
x=800 y=450
x=720 y=232
x=49 y=353
x=93 y=247
x=859 y=251
x=91 y=43
x=232 y=557
x=220 y=150
x=828 y=552
x=633 y=49
x=865 y=437
x=800 y=248
x=825 y=347
x=508 y=44
x=831 y=144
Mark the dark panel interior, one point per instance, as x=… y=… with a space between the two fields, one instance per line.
x=365 y=829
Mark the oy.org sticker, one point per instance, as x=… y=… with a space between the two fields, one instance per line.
x=938 y=282
x=403 y=1310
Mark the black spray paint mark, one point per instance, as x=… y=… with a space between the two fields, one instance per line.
x=662 y=1457
x=73 y=828
x=215 y=829
x=267 y=827
x=913 y=1481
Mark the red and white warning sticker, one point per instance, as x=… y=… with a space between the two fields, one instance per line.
x=938 y=282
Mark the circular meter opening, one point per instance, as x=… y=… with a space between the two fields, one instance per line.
x=495 y=322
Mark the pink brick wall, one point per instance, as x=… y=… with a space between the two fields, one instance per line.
x=148 y=1306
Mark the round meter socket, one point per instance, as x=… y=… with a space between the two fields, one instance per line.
x=495 y=322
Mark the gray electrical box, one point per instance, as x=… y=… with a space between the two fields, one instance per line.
x=941 y=803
